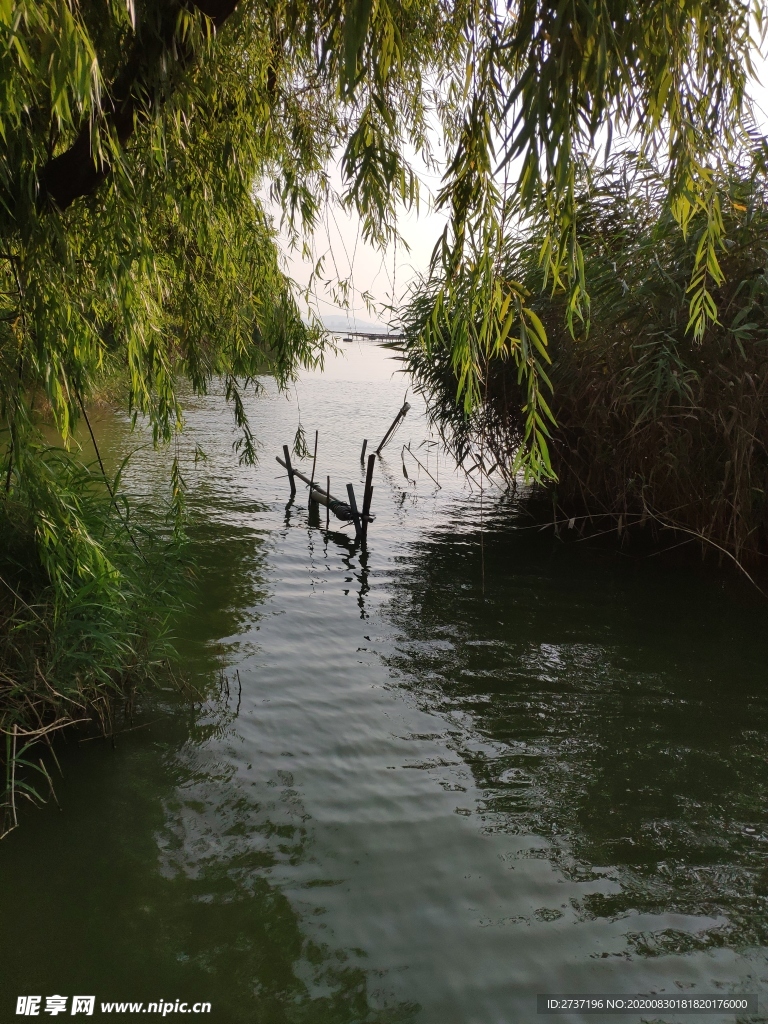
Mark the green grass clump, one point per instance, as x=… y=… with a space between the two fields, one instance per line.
x=86 y=590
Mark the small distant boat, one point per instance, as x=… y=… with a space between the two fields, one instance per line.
x=348 y=340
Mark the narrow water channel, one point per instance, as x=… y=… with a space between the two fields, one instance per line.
x=468 y=766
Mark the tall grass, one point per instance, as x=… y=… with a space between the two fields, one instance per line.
x=86 y=588
x=654 y=426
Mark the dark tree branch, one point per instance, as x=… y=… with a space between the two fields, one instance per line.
x=217 y=10
x=77 y=171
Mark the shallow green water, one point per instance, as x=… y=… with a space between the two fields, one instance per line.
x=454 y=779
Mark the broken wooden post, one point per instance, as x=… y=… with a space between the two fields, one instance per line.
x=342 y=510
x=288 y=466
x=328 y=506
x=362 y=453
x=314 y=460
x=353 y=510
x=339 y=508
x=318 y=494
x=395 y=424
x=368 y=492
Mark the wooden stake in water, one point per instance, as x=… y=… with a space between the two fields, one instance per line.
x=362 y=453
x=318 y=494
x=355 y=513
x=339 y=508
x=395 y=423
x=327 y=507
x=289 y=467
x=314 y=460
x=368 y=492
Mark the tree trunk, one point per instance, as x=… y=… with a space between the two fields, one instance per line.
x=78 y=171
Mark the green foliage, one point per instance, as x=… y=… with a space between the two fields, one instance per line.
x=168 y=266
x=87 y=585
x=458 y=334
x=653 y=420
x=542 y=83
x=173 y=272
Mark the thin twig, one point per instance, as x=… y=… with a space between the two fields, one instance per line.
x=112 y=735
x=28 y=607
x=708 y=540
x=13 y=778
x=45 y=772
x=407 y=448
x=60 y=723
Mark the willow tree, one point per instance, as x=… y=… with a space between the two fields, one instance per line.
x=546 y=85
x=134 y=135
x=134 y=139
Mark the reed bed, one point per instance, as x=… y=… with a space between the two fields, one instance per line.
x=654 y=426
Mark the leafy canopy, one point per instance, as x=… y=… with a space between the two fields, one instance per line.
x=135 y=134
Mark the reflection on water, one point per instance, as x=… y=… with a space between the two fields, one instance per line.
x=628 y=734
x=422 y=782
x=168 y=895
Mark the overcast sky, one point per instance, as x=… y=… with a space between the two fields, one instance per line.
x=385 y=275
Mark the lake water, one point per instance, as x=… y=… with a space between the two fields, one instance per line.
x=466 y=766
